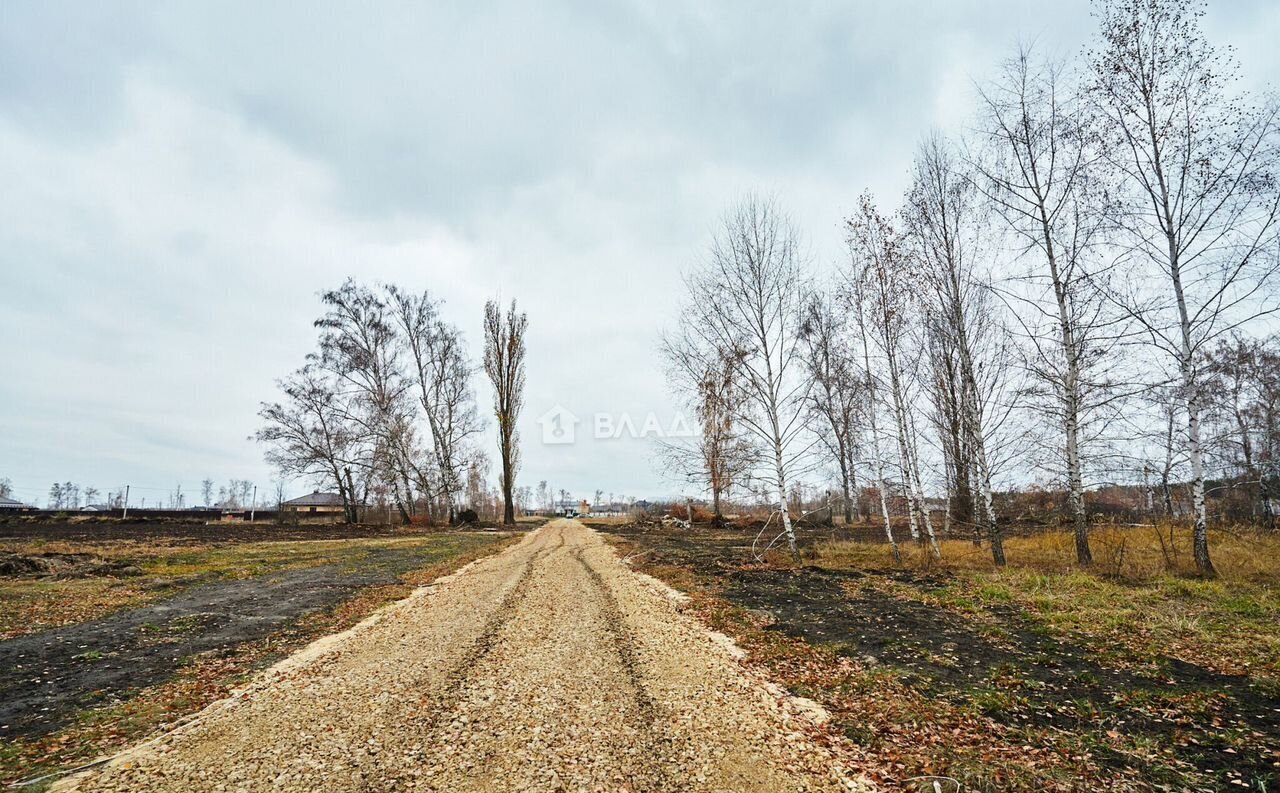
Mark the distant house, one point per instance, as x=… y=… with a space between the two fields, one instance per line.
x=96 y=508
x=568 y=509
x=935 y=504
x=611 y=510
x=317 y=504
x=9 y=505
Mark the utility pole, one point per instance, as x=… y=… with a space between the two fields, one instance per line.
x=126 y=503
x=253 y=505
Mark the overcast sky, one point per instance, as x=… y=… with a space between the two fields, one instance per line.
x=178 y=182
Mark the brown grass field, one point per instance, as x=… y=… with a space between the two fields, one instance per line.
x=1132 y=675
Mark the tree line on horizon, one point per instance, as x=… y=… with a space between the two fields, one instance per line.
x=1082 y=286
x=71 y=495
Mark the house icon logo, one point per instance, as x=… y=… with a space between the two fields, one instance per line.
x=558 y=425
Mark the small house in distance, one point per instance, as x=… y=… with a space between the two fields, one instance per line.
x=9 y=505
x=569 y=508
x=314 y=505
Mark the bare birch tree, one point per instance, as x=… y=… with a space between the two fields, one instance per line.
x=1036 y=174
x=745 y=303
x=1238 y=381
x=857 y=298
x=1165 y=430
x=708 y=382
x=308 y=435
x=948 y=420
x=882 y=279
x=1194 y=164
x=504 y=354
x=360 y=347
x=441 y=370
x=837 y=396
x=1266 y=416
x=944 y=231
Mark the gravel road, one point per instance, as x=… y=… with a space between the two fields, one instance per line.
x=551 y=666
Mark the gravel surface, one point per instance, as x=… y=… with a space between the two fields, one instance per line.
x=550 y=666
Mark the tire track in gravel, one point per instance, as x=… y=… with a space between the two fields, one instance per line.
x=553 y=705
x=435 y=703
x=658 y=743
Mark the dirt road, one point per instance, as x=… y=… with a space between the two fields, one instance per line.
x=550 y=666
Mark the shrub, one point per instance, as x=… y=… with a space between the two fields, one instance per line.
x=700 y=515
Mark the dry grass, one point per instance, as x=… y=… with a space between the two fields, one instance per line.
x=1141 y=598
x=607 y=520
x=1134 y=553
x=28 y=605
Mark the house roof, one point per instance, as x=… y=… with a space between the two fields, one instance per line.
x=316 y=499
x=10 y=503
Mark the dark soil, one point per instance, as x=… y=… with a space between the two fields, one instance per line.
x=1004 y=663
x=45 y=678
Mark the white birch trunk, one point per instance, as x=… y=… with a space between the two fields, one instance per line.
x=918 y=491
x=875 y=441
x=1070 y=386
x=780 y=468
x=910 y=465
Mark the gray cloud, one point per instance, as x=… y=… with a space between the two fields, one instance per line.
x=181 y=180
